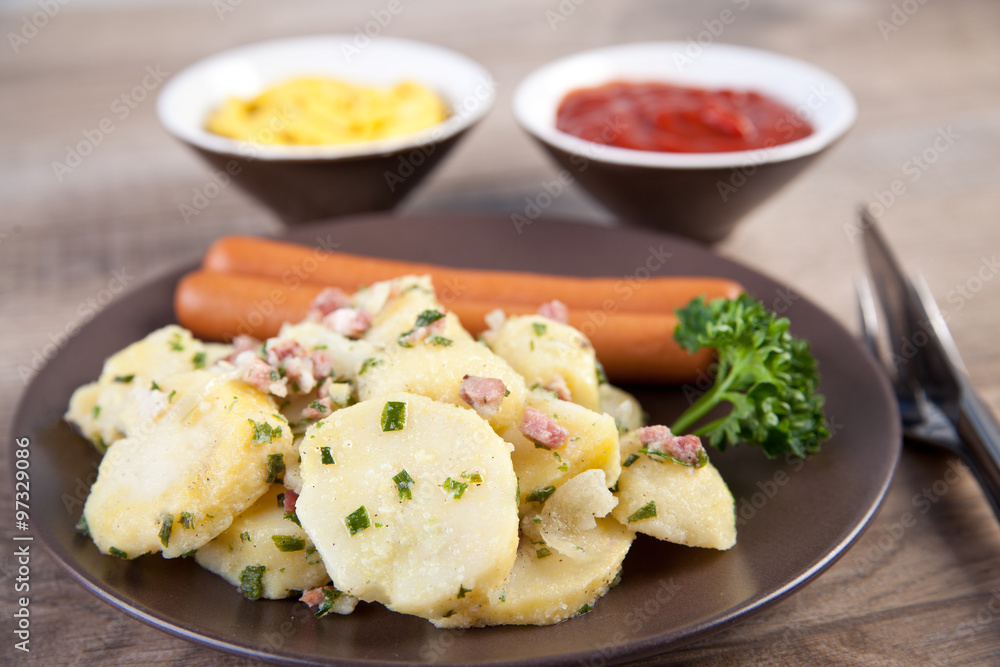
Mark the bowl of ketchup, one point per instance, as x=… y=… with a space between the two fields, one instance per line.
x=681 y=139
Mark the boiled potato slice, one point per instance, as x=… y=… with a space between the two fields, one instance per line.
x=621 y=405
x=422 y=518
x=572 y=511
x=348 y=355
x=547 y=587
x=409 y=296
x=436 y=371
x=265 y=553
x=592 y=443
x=96 y=409
x=691 y=506
x=541 y=349
x=177 y=482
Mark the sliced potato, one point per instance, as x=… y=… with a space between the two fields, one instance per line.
x=177 y=482
x=573 y=510
x=280 y=556
x=128 y=376
x=623 y=406
x=348 y=355
x=546 y=587
x=409 y=296
x=673 y=502
x=592 y=443
x=541 y=349
x=436 y=371
x=421 y=517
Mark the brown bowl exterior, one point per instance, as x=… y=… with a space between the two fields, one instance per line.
x=701 y=204
x=308 y=190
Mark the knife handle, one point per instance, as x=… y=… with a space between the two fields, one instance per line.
x=980 y=431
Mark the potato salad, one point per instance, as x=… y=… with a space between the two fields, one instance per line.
x=377 y=452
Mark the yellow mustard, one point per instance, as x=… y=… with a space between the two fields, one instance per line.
x=314 y=111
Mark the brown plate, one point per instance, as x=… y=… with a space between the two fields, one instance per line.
x=795 y=518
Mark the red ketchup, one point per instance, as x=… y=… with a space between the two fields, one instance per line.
x=674 y=119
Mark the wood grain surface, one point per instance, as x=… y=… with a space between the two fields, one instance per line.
x=921 y=587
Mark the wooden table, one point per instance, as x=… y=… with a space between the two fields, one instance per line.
x=920 y=591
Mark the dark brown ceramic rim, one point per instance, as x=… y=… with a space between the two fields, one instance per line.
x=797 y=519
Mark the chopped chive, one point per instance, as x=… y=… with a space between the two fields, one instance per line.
x=288 y=543
x=439 y=340
x=394 y=416
x=647 y=511
x=629 y=460
x=462 y=590
x=357 y=520
x=474 y=478
x=97 y=411
x=427 y=317
x=403 y=484
x=187 y=520
x=153 y=386
x=602 y=377
x=585 y=609
x=541 y=495
x=245 y=536
x=540 y=328
x=455 y=488
x=275 y=468
x=125 y=378
x=166 y=527
x=198 y=360
x=117 y=553
x=175 y=343
x=294 y=518
x=252 y=581
x=264 y=433
x=370 y=362
x=325 y=457
x=330 y=596
x=170 y=398
x=543 y=552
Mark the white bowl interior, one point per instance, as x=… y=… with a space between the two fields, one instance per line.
x=814 y=94
x=188 y=99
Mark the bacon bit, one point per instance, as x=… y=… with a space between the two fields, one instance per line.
x=559 y=387
x=555 y=310
x=290 y=498
x=314 y=596
x=299 y=371
x=349 y=322
x=329 y=300
x=280 y=350
x=318 y=409
x=542 y=429
x=255 y=372
x=483 y=394
x=242 y=343
x=325 y=387
x=683 y=448
x=322 y=363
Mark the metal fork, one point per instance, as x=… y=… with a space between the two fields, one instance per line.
x=937 y=403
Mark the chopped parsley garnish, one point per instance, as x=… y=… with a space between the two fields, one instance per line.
x=330 y=596
x=82 y=526
x=97 y=411
x=170 y=398
x=153 y=386
x=288 y=543
x=370 y=362
x=117 y=553
x=435 y=339
x=540 y=328
x=125 y=378
x=293 y=517
x=252 y=581
x=318 y=407
x=245 y=536
x=275 y=468
x=264 y=433
x=427 y=317
x=629 y=460
x=662 y=457
x=325 y=457
x=281 y=500
x=403 y=484
x=357 y=520
x=175 y=343
x=187 y=520
x=455 y=488
x=394 y=416
x=166 y=527
x=647 y=511
x=544 y=552
x=602 y=377
x=541 y=495
x=462 y=590
x=474 y=478
x=198 y=360
x=585 y=609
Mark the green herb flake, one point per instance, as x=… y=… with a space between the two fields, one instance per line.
x=544 y=552
x=394 y=416
x=288 y=543
x=153 y=386
x=187 y=520
x=97 y=411
x=404 y=484
x=455 y=488
x=449 y=613
x=245 y=536
x=462 y=590
x=294 y=518
x=198 y=360
x=473 y=478
x=330 y=596
x=170 y=398
x=82 y=526
x=585 y=609
x=252 y=581
x=264 y=433
x=125 y=378
x=629 y=460
x=436 y=339
x=370 y=362
x=166 y=527
x=175 y=343
x=427 y=317
x=325 y=457
x=647 y=511
x=541 y=495
x=540 y=328
x=602 y=376
x=117 y=553
x=357 y=520
x=275 y=468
